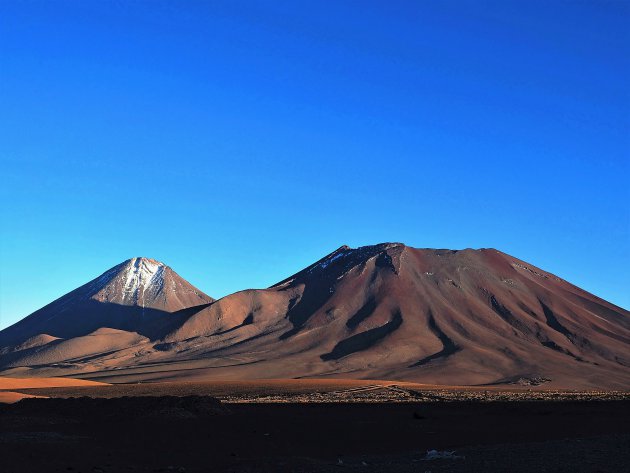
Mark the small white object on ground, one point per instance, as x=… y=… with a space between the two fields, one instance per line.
x=440 y=455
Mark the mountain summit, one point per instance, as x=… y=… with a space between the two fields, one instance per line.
x=148 y=283
x=386 y=311
x=137 y=281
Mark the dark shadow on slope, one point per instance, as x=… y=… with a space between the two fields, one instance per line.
x=449 y=346
x=247 y=321
x=364 y=340
x=554 y=346
x=508 y=316
x=320 y=279
x=362 y=314
x=316 y=293
x=190 y=311
x=384 y=260
x=527 y=310
x=240 y=342
x=553 y=322
x=86 y=316
x=86 y=358
x=166 y=346
x=7 y=359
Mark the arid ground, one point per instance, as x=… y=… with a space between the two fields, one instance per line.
x=312 y=426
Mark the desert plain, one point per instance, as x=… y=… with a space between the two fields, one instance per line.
x=314 y=425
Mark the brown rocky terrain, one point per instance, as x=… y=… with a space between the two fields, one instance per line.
x=469 y=317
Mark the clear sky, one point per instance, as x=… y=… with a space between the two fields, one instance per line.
x=240 y=141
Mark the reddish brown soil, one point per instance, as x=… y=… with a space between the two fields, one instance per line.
x=325 y=391
x=28 y=383
x=469 y=317
x=7 y=384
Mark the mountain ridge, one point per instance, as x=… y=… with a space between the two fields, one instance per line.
x=386 y=311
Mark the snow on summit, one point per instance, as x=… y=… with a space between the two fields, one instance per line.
x=143 y=282
x=143 y=274
x=131 y=283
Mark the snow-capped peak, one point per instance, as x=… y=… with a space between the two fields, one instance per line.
x=141 y=274
x=133 y=282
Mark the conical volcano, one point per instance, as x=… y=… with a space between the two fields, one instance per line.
x=147 y=283
x=138 y=295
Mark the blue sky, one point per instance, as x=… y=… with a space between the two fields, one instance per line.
x=240 y=141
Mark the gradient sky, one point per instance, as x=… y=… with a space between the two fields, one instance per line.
x=240 y=141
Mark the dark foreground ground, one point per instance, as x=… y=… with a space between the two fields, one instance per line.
x=201 y=434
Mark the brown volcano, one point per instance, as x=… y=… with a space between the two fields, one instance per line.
x=378 y=312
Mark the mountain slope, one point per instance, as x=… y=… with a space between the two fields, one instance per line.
x=393 y=312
